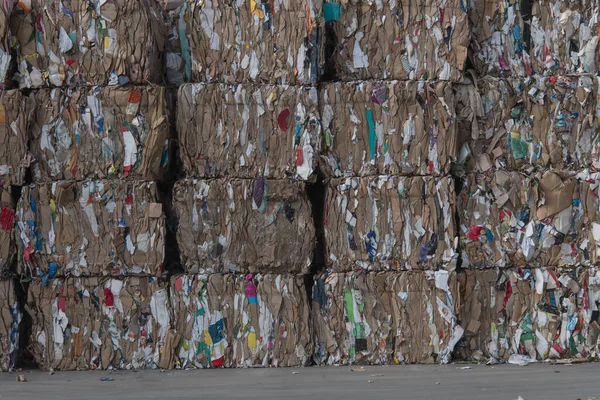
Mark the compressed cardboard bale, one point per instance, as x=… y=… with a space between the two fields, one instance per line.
x=543 y=37
x=509 y=219
x=97 y=323
x=244 y=225
x=539 y=121
x=376 y=127
x=5 y=57
x=10 y=320
x=246 y=131
x=100 y=133
x=228 y=320
x=385 y=318
x=391 y=223
x=90 y=228
x=7 y=219
x=413 y=40
x=14 y=112
x=88 y=43
x=246 y=41
x=539 y=313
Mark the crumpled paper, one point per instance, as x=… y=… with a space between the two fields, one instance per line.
x=14 y=116
x=539 y=121
x=90 y=228
x=228 y=320
x=99 y=323
x=244 y=41
x=385 y=318
x=10 y=320
x=509 y=219
x=5 y=57
x=534 y=37
x=244 y=225
x=99 y=133
x=541 y=313
x=416 y=40
x=377 y=127
x=87 y=42
x=248 y=130
x=391 y=222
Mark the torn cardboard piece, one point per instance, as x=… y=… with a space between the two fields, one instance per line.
x=534 y=37
x=509 y=219
x=385 y=318
x=88 y=43
x=14 y=115
x=376 y=127
x=247 y=41
x=90 y=228
x=228 y=320
x=97 y=323
x=391 y=223
x=10 y=319
x=100 y=133
x=542 y=313
x=249 y=131
x=538 y=121
x=244 y=226
x=413 y=40
x=5 y=56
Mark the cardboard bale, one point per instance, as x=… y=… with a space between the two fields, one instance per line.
x=537 y=36
x=228 y=320
x=385 y=318
x=546 y=219
x=90 y=228
x=7 y=219
x=10 y=320
x=539 y=121
x=5 y=56
x=14 y=160
x=97 y=323
x=246 y=131
x=376 y=127
x=541 y=313
x=244 y=225
x=391 y=223
x=100 y=133
x=416 y=40
x=246 y=41
x=87 y=42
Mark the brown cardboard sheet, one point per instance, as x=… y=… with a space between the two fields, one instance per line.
x=391 y=223
x=228 y=320
x=5 y=56
x=244 y=225
x=14 y=115
x=90 y=228
x=245 y=131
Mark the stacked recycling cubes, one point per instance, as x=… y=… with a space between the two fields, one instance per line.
x=248 y=129
x=390 y=291
x=529 y=228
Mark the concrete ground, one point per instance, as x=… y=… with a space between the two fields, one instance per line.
x=536 y=381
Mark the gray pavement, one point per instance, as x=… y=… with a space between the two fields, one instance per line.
x=535 y=381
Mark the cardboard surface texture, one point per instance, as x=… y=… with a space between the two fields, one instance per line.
x=535 y=36
x=545 y=219
x=7 y=219
x=376 y=127
x=89 y=43
x=10 y=319
x=541 y=313
x=90 y=228
x=14 y=160
x=539 y=121
x=385 y=318
x=244 y=225
x=228 y=320
x=244 y=41
x=416 y=40
x=99 y=133
x=5 y=56
x=97 y=323
x=386 y=222
x=246 y=131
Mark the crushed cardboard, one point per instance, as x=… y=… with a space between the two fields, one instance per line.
x=10 y=319
x=7 y=219
x=14 y=114
x=5 y=56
